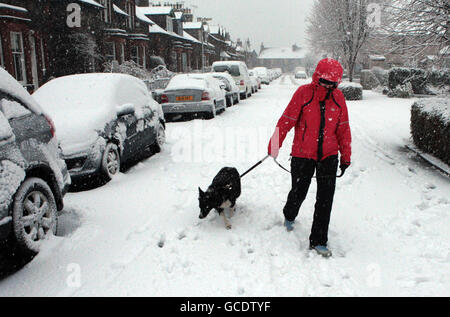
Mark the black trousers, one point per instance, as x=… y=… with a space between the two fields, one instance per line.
x=302 y=171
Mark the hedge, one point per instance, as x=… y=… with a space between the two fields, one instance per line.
x=430 y=127
x=351 y=91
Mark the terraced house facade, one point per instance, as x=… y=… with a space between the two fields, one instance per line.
x=43 y=39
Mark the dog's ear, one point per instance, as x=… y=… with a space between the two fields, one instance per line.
x=200 y=191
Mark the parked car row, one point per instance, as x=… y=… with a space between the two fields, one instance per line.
x=73 y=126
x=208 y=94
x=79 y=126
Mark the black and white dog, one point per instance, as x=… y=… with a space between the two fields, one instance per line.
x=221 y=194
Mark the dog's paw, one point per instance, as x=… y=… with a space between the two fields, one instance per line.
x=228 y=227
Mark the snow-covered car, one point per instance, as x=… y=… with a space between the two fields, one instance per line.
x=258 y=78
x=301 y=75
x=254 y=80
x=33 y=175
x=193 y=94
x=263 y=73
x=232 y=90
x=239 y=71
x=102 y=121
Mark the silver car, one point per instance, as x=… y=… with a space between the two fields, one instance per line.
x=195 y=94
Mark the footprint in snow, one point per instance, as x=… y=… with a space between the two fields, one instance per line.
x=162 y=241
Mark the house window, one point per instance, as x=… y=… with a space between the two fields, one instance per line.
x=2 y=60
x=107 y=12
x=110 y=51
x=18 y=57
x=135 y=55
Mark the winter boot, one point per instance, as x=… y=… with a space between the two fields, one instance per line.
x=322 y=250
x=289 y=225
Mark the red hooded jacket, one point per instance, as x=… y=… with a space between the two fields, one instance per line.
x=314 y=128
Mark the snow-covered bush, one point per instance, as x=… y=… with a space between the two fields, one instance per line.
x=401 y=91
x=351 y=91
x=430 y=126
x=439 y=80
x=369 y=80
x=401 y=76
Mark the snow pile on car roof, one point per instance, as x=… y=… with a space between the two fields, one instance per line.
x=13 y=88
x=187 y=82
x=82 y=105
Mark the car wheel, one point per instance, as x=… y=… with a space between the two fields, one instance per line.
x=160 y=138
x=212 y=114
x=33 y=215
x=110 y=162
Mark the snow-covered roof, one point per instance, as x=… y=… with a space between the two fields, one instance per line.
x=141 y=16
x=224 y=55
x=282 y=53
x=156 y=10
x=120 y=11
x=191 y=38
x=11 y=7
x=92 y=2
x=192 y=25
x=13 y=88
x=214 y=29
x=217 y=39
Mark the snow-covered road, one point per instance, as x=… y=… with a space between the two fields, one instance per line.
x=140 y=235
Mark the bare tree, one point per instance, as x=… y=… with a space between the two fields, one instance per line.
x=416 y=28
x=339 y=28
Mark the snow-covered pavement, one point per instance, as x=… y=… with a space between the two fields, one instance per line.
x=140 y=235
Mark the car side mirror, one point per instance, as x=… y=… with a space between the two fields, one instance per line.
x=125 y=109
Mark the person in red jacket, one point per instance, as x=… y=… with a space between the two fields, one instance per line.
x=318 y=112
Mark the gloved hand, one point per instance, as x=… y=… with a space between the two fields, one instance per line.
x=273 y=151
x=344 y=166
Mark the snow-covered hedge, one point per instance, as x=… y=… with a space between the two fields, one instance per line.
x=430 y=126
x=421 y=82
x=351 y=91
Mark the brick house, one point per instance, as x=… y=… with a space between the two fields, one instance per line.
x=23 y=48
x=126 y=34
x=200 y=31
x=168 y=39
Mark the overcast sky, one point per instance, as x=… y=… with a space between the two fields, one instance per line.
x=273 y=22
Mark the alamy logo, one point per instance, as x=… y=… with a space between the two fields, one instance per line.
x=74 y=278
x=373 y=15
x=73 y=15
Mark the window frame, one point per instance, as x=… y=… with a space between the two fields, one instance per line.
x=135 y=58
x=21 y=55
